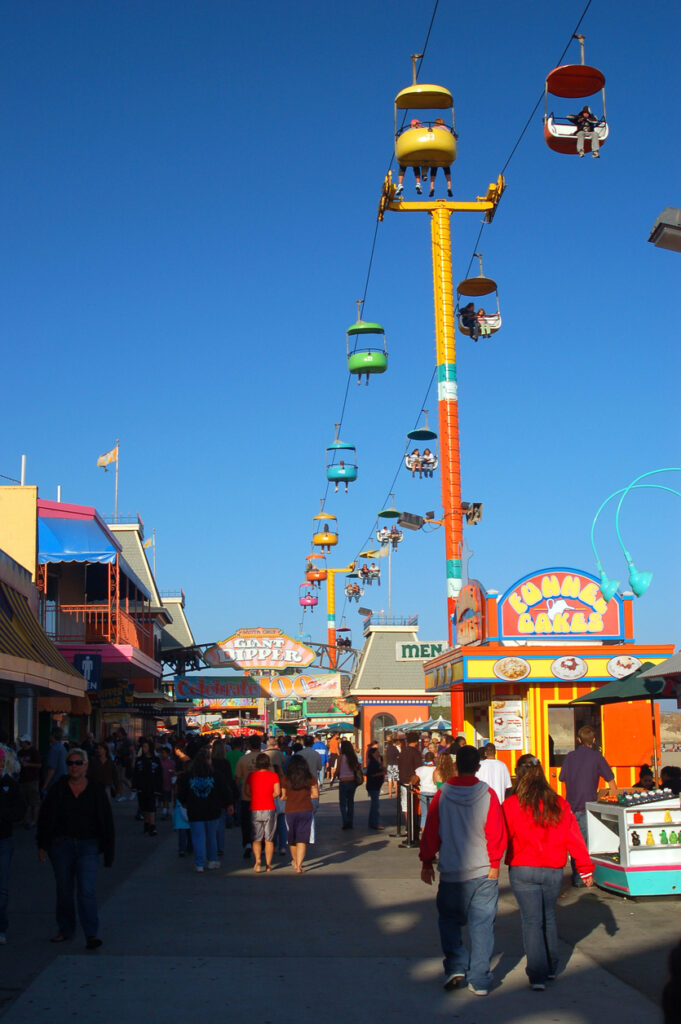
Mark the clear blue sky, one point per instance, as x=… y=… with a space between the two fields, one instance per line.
x=188 y=198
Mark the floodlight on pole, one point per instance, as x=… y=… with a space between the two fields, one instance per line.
x=666 y=231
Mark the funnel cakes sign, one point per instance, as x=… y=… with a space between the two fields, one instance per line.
x=260 y=649
x=561 y=603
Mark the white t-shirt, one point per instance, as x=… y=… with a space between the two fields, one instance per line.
x=496 y=775
x=426 y=784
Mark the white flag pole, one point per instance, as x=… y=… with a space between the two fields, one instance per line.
x=116 y=484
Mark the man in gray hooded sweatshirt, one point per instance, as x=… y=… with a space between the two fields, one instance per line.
x=465 y=826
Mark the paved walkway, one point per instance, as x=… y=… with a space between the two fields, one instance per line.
x=354 y=937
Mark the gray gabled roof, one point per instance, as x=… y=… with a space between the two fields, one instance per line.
x=378 y=668
x=177 y=633
x=129 y=536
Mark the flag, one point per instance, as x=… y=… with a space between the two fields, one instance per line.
x=147 y=543
x=107 y=457
x=413 y=621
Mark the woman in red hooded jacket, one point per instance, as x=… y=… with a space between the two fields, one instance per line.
x=542 y=830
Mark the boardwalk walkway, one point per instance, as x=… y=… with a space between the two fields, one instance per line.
x=354 y=938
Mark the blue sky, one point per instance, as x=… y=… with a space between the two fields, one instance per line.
x=188 y=198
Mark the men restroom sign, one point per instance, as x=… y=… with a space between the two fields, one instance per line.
x=419 y=652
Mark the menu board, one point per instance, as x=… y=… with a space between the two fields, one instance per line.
x=508 y=724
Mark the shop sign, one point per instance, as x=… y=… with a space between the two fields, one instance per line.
x=291 y=687
x=420 y=652
x=563 y=603
x=260 y=649
x=469 y=615
x=508 y=724
x=209 y=687
x=229 y=703
x=115 y=698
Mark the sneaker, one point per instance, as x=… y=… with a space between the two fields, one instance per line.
x=477 y=991
x=153 y=831
x=452 y=980
x=537 y=986
x=450 y=193
x=551 y=977
x=92 y=942
x=418 y=189
x=213 y=864
x=198 y=868
x=121 y=799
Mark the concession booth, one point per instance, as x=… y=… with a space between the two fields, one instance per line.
x=521 y=657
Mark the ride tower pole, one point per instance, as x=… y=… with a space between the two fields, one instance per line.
x=448 y=407
x=440 y=212
x=331 y=611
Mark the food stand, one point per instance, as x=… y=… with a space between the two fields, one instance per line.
x=636 y=845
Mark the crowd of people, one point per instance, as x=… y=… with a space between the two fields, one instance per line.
x=471 y=814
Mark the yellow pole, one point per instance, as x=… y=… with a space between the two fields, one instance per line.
x=331 y=610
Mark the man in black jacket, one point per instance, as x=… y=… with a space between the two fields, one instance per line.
x=12 y=810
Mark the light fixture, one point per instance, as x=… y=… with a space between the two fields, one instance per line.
x=472 y=511
x=410 y=521
x=639 y=580
x=666 y=232
x=608 y=587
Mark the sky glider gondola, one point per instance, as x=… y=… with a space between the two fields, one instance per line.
x=579 y=132
x=315 y=573
x=367 y=350
x=324 y=531
x=423 y=433
x=424 y=144
x=475 y=323
x=341 y=462
x=307 y=599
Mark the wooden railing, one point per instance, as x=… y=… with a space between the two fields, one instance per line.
x=93 y=624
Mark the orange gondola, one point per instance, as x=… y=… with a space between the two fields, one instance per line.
x=574 y=81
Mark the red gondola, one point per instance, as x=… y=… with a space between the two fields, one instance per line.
x=574 y=81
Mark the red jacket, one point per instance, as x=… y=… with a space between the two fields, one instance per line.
x=544 y=846
x=494 y=828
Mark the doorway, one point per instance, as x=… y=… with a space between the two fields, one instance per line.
x=564 y=724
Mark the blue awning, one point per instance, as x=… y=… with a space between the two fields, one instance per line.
x=73 y=540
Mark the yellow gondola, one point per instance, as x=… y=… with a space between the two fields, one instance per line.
x=424 y=143
x=324 y=531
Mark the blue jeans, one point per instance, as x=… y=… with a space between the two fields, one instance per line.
x=205 y=840
x=75 y=862
x=536 y=890
x=346 y=799
x=474 y=903
x=281 y=835
x=425 y=804
x=6 y=851
x=581 y=821
x=374 y=816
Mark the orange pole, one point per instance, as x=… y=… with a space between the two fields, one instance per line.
x=448 y=408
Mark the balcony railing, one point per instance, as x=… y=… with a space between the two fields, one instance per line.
x=97 y=624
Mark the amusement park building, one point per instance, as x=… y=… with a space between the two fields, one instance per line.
x=388 y=686
x=98 y=603
x=521 y=658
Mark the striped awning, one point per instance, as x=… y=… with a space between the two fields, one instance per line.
x=22 y=636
